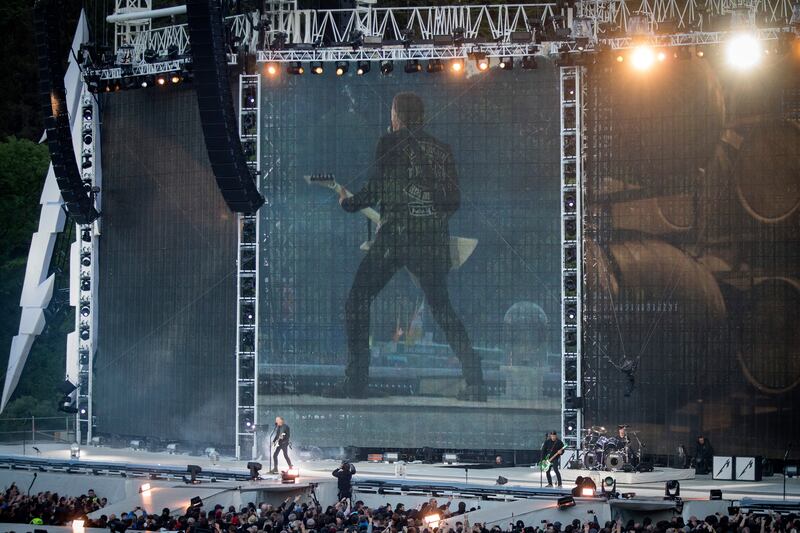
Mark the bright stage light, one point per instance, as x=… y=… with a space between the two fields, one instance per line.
x=363 y=68
x=144 y=487
x=481 y=61
x=506 y=63
x=661 y=56
x=272 y=69
x=642 y=57
x=317 y=68
x=341 y=68
x=175 y=79
x=457 y=66
x=432 y=520
x=587 y=491
x=161 y=80
x=743 y=51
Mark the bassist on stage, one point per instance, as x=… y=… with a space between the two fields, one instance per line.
x=552 y=448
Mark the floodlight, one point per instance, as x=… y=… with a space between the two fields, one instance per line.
x=743 y=51
x=642 y=57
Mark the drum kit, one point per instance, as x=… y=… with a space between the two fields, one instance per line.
x=602 y=452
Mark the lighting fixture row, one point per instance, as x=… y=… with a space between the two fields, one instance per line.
x=456 y=65
x=136 y=82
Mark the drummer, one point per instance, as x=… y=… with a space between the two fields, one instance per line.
x=622 y=435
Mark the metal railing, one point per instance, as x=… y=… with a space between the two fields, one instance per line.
x=33 y=430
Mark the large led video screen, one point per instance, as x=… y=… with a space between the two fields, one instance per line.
x=424 y=311
x=692 y=267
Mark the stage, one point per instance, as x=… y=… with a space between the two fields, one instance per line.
x=318 y=473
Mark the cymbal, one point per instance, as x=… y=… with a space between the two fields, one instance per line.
x=598 y=429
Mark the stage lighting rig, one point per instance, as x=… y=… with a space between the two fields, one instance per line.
x=362 y=68
x=295 y=68
x=271 y=69
x=290 y=476
x=743 y=51
x=672 y=490
x=642 y=57
x=341 y=68
x=481 y=61
x=435 y=65
x=529 y=63
x=412 y=66
x=387 y=66
x=254 y=469
x=609 y=487
x=457 y=65
x=506 y=63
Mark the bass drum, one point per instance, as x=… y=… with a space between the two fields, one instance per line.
x=590 y=460
x=614 y=461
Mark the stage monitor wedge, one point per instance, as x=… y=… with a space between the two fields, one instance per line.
x=214 y=98
x=48 y=18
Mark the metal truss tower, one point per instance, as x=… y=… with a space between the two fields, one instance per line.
x=571 y=89
x=248 y=278
x=83 y=270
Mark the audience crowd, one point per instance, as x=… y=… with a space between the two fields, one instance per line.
x=46 y=508
x=294 y=516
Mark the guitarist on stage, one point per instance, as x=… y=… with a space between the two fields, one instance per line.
x=552 y=448
x=413 y=183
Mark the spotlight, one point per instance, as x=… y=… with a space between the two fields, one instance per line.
x=290 y=476
x=432 y=520
x=87 y=136
x=87 y=112
x=457 y=65
x=609 y=486
x=85 y=311
x=271 y=69
x=144 y=487
x=145 y=83
x=620 y=58
x=66 y=405
x=435 y=65
x=254 y=468
x=587 y=492
x=672 y=489
x=661 y=56
x=529 y=63
x=412 y=66
x=506 y=63
x=386 y=67
x=84 y=332
x=341 y=68
x=700 y=52
x=642 y=57
x=161 y=80
x=565 y=502
x=193 y=470
x=86 y=235
x=175 y=78
x=362 y=68
x=317 y=68
x=295 y=67
x=743 y=51
x=481 y=61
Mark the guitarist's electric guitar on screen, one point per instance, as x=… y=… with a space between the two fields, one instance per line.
x=460 y=247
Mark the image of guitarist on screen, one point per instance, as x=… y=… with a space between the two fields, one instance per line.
x=414 y=185
x=552 y=448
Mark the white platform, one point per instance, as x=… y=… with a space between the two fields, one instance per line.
x=659 y=475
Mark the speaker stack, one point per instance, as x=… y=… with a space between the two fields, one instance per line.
x=48 y=15
x=217 y=115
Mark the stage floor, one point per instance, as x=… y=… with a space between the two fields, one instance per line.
x=645 y=484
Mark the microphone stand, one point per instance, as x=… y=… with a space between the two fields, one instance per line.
x=785 y=458
x=271 y=436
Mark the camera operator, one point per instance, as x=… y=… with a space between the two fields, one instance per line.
x=345 y=476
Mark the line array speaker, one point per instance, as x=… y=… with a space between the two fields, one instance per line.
x=48 y=15
x=217 y=115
